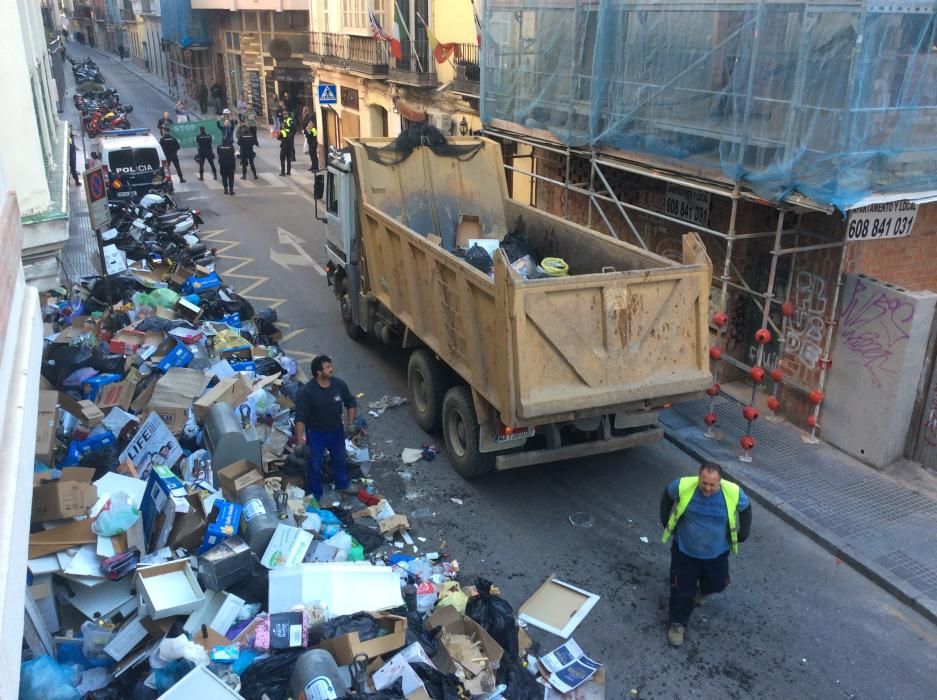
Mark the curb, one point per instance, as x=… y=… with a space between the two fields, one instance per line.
x=875 y=573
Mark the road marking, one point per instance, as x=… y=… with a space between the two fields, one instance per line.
x=300 y=258
x=214 y=185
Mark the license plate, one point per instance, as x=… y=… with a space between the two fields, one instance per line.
x=530 y=432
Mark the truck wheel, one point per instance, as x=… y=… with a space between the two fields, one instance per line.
x=427 y=381
x=460 y=430
x=354 y=331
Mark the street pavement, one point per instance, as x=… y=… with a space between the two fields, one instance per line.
x=796 y=622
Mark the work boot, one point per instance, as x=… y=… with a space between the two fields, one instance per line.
x=698 y=599
x=675 y=634
x=226 y=190
x=231 y=193
x=255 y=176
x=243 y=177
x=200 y=177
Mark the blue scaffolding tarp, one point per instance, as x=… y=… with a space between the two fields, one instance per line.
x=182 y=25
x=836 y=101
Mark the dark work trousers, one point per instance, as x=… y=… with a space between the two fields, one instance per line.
x=174 y=160
x=253 y=130
x=319 y=442
x=245 y=161
x=201 y=166
x=313 y=154
x=227 y=178
x=286 y=162
x=687 y=575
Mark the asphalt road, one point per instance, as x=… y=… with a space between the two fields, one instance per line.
x=795 y=622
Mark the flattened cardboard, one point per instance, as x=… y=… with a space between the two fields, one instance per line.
x=345 y=648
x=287 y=547
x=235 y=477
x=85 y=411
x=174 y=394
x=71 y=495
x=120 y=393
x=232 y=391
x=469 y=227
x=557 y=607
x=455 y=628
x=73 y=534
x=45 y=427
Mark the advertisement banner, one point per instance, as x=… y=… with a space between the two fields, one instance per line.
x=185 y=132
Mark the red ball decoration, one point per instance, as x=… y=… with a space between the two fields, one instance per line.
x=747 y=442
x=773 y=403
x=787 y=308
x=750 y=413
x=715 y=353
x=815 y=396
x=762 y=336
x=720 y=319
x=757 y=374
x=714 y=390
x=776 y=375
x=811 y=421
x=710 y=419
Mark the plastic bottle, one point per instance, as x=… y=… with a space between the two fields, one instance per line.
x=409 y=596
x=315 y=677
x=260 y=517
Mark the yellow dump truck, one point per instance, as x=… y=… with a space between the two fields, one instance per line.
x=514 y=371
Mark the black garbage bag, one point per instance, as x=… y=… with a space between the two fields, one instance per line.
x=522 y=685
x=417 y=632
x=61 y=359
x=439 y=685
x=366 y=537
x=107 y=363
x=362 y=623
x=516 y=244
x=297 y=462
x=478 y=257
x=270 y=676
x=266 y=366
x=266 y=322
x=495 y=614
x=102 y=461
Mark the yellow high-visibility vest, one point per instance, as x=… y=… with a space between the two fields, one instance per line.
x=685 y=490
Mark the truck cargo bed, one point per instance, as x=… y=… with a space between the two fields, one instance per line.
x=626 y=326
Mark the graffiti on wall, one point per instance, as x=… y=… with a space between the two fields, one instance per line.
x=873 y=327
x=803 y=336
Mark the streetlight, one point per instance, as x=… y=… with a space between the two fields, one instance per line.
x=463 y=126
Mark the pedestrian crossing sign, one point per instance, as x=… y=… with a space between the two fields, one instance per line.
x=328 y=94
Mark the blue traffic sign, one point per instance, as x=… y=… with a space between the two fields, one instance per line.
x=328 y=94
x=96 y=185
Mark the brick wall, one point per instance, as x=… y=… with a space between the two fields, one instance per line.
x=909 y=262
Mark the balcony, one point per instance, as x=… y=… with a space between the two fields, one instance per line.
x=416 y=67
x=357 y=54
x=467 y=71
x=285 y=45
x=127 y=15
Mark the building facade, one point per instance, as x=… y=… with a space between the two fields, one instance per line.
x=35 y=153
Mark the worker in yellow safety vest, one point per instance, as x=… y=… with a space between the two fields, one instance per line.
x=285 y=136
x=708 y=517
x=311 y=132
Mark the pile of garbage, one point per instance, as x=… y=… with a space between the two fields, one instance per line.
x=519 y=249
x=174 y=549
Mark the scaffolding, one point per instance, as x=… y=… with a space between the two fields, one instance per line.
x=797 y=108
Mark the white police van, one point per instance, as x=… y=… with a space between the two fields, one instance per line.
x=134 y=162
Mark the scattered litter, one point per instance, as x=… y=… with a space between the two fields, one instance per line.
x=457 y=501
x=382 y=404
x=581 y=520
x=411 y=455
x=644 y=539
x=568 y=666
x=557 y=607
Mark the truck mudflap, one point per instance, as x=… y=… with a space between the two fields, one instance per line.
x=513 y=460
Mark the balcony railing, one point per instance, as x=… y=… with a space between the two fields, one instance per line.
x=127 y=15
x=359 y=54
x=416 y=67
x=467 y=70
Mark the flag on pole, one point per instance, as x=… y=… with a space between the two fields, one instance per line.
x=442 y=52
x=377 y=31
x=399 y=29
x=478 y=25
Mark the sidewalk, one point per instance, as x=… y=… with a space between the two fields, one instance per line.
x=884 y=529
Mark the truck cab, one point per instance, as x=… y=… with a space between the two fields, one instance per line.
x=342 y=241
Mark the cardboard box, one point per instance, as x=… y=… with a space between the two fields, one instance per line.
x=232 y=391
x=129 y=341
x=91 y=386
x=120 y=393
x=45 y=427
x=178 y=356
x=451 y=655
x=165 y=314
x=174 y=394
x=469 y=227
x=346 y=647
x=188 y=529
x=70 y=495
x=200 y=683
x=187 y=310
x=165 y=495
x=224 y=522
x=235 y=477
x=73 y=534
x=85 y=411
x=169 y=589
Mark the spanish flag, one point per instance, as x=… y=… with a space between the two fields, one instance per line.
x=442 y=52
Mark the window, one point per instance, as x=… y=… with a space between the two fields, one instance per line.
x=331 y=196
x=134 y=160
x=250 y=21
x=355 y=14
